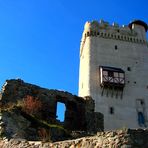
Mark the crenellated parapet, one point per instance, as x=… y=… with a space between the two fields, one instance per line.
x=135 y=32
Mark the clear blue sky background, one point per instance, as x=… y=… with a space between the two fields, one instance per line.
x=40 y=39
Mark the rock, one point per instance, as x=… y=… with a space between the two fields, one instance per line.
x=87 y=142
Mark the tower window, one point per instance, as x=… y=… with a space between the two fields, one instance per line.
x=116 y=47
x=111 y=76
x=128 y=69
x=111 y=110
x=140 y=112
x=141 y=101
x=141 y=119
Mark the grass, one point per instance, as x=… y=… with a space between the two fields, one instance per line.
x=41 y=123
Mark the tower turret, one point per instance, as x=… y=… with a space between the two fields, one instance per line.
x=140 y=27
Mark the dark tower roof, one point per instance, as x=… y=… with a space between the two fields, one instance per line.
x=139 y=22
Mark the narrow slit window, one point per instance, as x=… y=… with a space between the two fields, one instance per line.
x=128 y=68
x=111 y=110
x=116 y=47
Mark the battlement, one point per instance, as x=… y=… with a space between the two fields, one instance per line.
x=130 y=29
x=135 y=32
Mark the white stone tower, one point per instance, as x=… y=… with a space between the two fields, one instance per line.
x=114 y=72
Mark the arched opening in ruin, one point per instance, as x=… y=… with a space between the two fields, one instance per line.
x=60 y=113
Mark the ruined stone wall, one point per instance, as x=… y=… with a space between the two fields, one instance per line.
x=26 y=109
x=111 y=139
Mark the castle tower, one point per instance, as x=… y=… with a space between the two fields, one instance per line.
x=114 y=72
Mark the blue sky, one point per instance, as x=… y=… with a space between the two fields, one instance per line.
x=40 y=39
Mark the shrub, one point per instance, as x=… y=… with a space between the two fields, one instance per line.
x=44 y=135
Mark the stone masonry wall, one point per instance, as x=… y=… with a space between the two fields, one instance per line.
x=111 y=139
x=26 y=110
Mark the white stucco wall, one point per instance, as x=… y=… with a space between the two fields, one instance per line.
x=100 y=51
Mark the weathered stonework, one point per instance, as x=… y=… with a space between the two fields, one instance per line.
x=20 y=119
x=112 y=139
